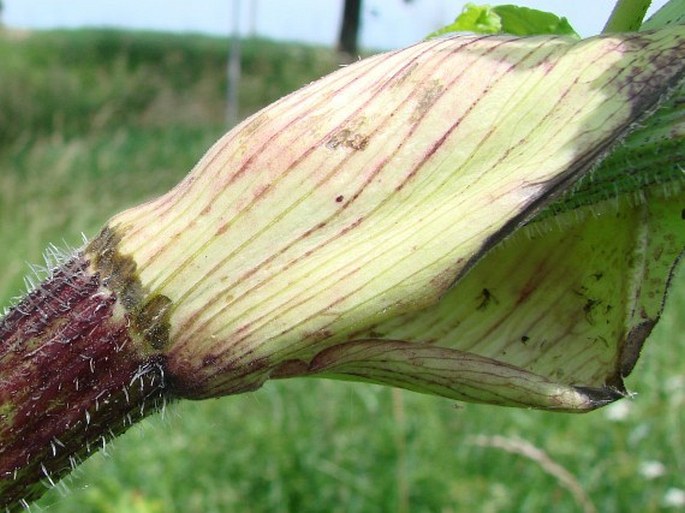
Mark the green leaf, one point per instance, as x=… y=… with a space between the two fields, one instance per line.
x=507 y=19
x=481 y=19
x=523 y=21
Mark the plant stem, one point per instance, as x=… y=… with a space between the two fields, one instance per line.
x=627 y=16
x=72 y=376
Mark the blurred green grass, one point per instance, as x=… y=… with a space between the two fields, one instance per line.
x=94 y=121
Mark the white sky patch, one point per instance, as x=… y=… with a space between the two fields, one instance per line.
x=385 y=23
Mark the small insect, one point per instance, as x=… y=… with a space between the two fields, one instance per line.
x=486 y=298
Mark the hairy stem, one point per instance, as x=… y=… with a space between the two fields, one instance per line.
x=627 y=16
x=71 y=377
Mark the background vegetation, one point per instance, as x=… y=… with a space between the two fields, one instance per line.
x=94 y=121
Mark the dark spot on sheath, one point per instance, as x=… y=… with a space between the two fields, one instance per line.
x=117 y=271
x=525 y=338
x=589 y=307
x=151 y=321
x=348 y=139
x=339 y=199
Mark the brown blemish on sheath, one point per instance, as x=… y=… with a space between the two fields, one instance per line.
x=118 y=272
x=149 y=313
x=151 y=320
x=348 y=138
x=644 y=88
x=428 y=96
x=633 y=345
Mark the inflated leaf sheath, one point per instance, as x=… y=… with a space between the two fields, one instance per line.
x=366 y=194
